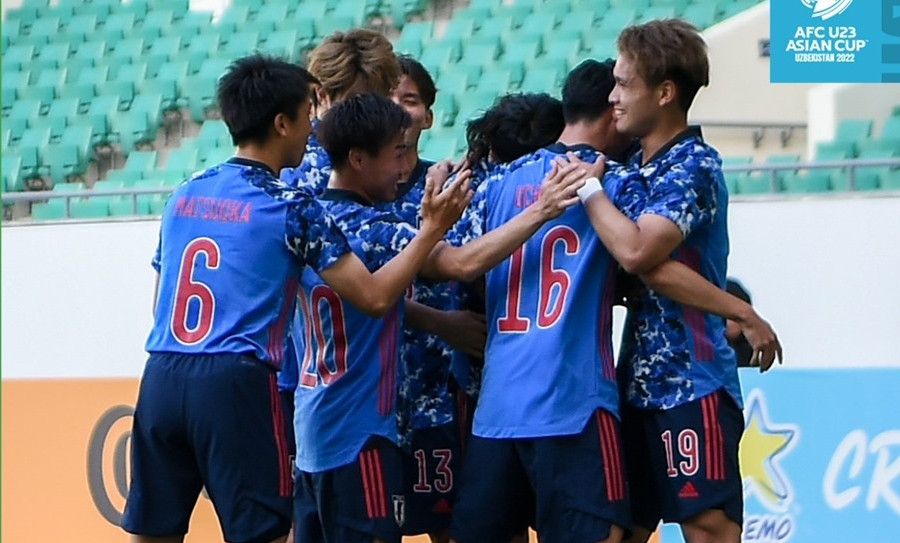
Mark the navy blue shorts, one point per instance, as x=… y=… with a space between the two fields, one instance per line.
x=353 y=503
x=571 y=488
x=684 y=461
x=213 y=421
x=431 y=470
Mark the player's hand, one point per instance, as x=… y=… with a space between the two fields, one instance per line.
x=465 y=331
x=764 y=341
x=442 y=208
x=558 y=188
x=593 y=169
x=440 y=171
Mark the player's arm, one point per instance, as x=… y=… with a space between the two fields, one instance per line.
x=680 y=283
x=465 y=331
x=637 y=245
x=375 y=293
x=470 y=261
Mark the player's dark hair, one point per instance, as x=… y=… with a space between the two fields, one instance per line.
x=413 y=69
x=365 y=121
x=255 y=89
x=668 y=50
x=585 y=94
x=517 y=124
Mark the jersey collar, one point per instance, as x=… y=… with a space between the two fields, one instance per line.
x=561 y=148
x=417 y=174
x=692 y=131
x=344 y=195
x=250 y=163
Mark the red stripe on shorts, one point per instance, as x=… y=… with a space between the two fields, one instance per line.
x=612 y=462
x=284 y=458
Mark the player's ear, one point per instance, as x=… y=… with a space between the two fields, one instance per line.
x=279 y=124
x=429 y=119
x=356 y=159
x=666 y=92
x=323 y=102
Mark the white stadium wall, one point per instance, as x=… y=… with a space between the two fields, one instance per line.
x=77 y=297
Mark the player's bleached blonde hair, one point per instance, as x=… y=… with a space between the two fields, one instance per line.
x=668 y=50
x=344 y=58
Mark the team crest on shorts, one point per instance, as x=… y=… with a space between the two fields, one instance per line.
x=399 y=509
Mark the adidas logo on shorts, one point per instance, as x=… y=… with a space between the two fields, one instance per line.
x=688 y=491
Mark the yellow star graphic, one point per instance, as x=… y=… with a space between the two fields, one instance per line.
x=762 y=446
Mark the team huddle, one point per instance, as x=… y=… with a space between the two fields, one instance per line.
x=365 y=344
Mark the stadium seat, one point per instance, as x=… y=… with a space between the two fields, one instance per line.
x=439 y=148
x=814 y=180
x=282 y=43
x=853 y=130
x=22 y=116
x=126 y=51
x=62 y=113
x=181 y=161
x=785 y=160
x=45 y=29
x=18 y=57
x=732 y=179
x=240 y=44
x=12 y=164
x=702 y=15
x=63 y=163
x=214 y=132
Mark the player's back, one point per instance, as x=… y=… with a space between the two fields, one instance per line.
x=347 y=359
x=549 y=361
x=227 y=277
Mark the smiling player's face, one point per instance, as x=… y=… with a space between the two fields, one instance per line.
x=386 y=169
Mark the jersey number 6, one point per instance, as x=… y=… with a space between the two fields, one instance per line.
x=188 y=289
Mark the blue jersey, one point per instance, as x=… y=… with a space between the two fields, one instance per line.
x=233 y=242
x=673 y=354
x=466 y=371
x=549 y=359
x=425 y=397
x=315 y=168
x=348 y=360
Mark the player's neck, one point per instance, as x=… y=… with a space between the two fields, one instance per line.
x=412 y=158
x=581 y=133
x=668 y=127
x=344 y=180
x=267 y=156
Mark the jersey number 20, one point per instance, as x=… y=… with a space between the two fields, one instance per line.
x=315 y=364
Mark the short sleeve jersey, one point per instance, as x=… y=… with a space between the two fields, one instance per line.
x=347 y=359
x=673 y=354
x=425 y=397
x=315 y=168
x=549 y=359
x=233 y=243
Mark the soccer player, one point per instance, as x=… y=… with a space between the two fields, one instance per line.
x=426 y=404
x=233 y=242
x=546 y=416
x=682 y=419
x=350 y=479
x=345 y=63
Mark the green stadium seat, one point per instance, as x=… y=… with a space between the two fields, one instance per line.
x=18 y=57
x=419 y=30
x=518 y=13
x=133 y=128
x=89 y=53
x=156 y=23
x=732 y=179
x=46 y=28
x=85 y=86
x=678 y=5
x=62 y=113
x=867 y=177
x=496 y=80
x=22 y=116
x=52 y=55
x=126 y=51
x=615 y=20
x=543 y=79
x=12 y=164
x=25 y=14
x=473 y=104
x=81 y=136
x=87 y=207
x=199 y=49
x=141 y=163
x=118 y=23
x=702 y=15
x=15 y=83
x=814 y=180
x=194 y=24
x=458 y=28
x=100 y=114
x=200 y=93
x=282 y=43
x=853 y=130
x=629 y=4
x=757 y=183
x=101 y=10
x=330 y=25
x=126 y=82
x=48 y=86
x=152 y=105
x=182 y=162
x=890 y=178
x=9 y=33
x=524 y=50
x=439 y=148
x=355 y=11
x=835 y=150
x=63 y=162
x=445 y=109
x=240 y=44
x=782 y=159
x=565 y=53
x=214 y=132
x=657 y=12
x=498 y=25
x=32 y=148
x=161 y=51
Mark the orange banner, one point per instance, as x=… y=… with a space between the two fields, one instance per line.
x=65 y=457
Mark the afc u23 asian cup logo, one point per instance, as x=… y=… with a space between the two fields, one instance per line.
x=826 y=9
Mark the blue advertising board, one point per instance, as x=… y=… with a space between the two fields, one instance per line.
x=820 y=456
